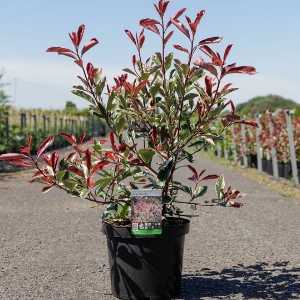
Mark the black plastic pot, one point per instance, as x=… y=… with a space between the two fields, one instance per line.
x=252 y=160
x=146 y=268
x=267 y=166
x=285 y=169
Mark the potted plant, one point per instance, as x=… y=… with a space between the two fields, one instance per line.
x=160 y=112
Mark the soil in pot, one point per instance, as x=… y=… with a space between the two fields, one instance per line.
x=146 y=268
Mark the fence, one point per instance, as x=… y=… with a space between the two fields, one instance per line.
x=15 y=125
x=273 y=147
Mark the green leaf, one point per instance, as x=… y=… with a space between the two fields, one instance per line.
x=219 y=187
x=165 y=169
x=190 y=96
x=120 y=124
x=110 y=102
x=169 y=60
x=147 y=155
x=100 y=86
x=127 y=70
x=200 y=191
x=103 y=182
x=61 y=175
x=83 y=95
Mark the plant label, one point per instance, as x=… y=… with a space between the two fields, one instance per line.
x=146 y=212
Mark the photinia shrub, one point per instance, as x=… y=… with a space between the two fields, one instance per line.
x=160 y=111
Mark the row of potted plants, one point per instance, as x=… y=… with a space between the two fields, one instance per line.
x=278 y=139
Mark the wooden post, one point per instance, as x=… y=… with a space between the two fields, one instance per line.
x=234 y=150
x=290 y=131
x=61 y=124
x=258 y=146
x=7 y=127
x=273 y=149
x=34 y=118
x=55 y=124
x=219 y=150
x=244 y=147
x=44 y=124
x=48 y=124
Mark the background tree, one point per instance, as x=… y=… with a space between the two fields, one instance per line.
x=71 y=108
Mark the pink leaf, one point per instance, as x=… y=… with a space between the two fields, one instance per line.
x=180 y=48
x=89 y=45
x=44 y=145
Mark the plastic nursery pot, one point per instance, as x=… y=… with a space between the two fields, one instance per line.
x=252 y=160
x=284 y=169
x=146 y=268
x=267 y=166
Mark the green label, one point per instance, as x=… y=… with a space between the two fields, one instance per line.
x=146 y=213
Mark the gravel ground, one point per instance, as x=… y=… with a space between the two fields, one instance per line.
x=52 y=248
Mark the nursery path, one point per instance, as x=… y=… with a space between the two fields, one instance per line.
x=51 y=246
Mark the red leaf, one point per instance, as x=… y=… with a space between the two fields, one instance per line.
x=88 y=159
x=211 y=40
x=181 y=28
x=112 y=140
x=82 y=138
x=150 y=24
x=134 y=60
x=226 y=53
x=71 y=156
x=99 y=166
x=242 y=70
x=162 y=7
x=140 y=86
x=153 y=135
x=80 y=33
x=195 y=25
x=26 y=163
x=26 y=150
x=122 y=148
x=76 y=171
x=89 y=45
x=180 y=48
x=210 y=177
x=68 y=54
x=195 y=173
x=59 y=49
x=90 y=182
x=179 y=13
x=74 y=39
x=141 y=41
x=44 y=145
x=206 y=66
x=70 y=138
x=167 y=38
x=130 y=35
x=216 y=59
x=54 y=160
x=12 y=156
x=209 y=85
x=248 y=122
x=110 y=155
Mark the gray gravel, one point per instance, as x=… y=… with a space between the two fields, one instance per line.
x=52 y=248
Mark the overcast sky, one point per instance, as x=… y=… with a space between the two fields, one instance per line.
x=266 y=34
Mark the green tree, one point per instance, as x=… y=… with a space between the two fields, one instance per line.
x=71 y=108
x=271 y=103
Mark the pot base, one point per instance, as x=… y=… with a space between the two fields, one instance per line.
x=146 y=268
